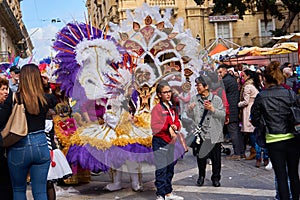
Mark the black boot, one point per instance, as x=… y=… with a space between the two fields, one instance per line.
x=200 y=181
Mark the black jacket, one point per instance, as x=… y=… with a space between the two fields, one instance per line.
x=5 y=110
x=274 y=105
x=233 y=97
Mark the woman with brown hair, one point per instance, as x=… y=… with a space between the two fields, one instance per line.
x=248 y=93
x=273 y=105
x=5 y=110
x=31 y=153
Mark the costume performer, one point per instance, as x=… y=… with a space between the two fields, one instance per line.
x=122 y=66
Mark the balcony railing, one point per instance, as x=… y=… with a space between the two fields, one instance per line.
x=161 y=2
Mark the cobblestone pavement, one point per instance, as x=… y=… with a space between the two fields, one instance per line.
x=241 y=180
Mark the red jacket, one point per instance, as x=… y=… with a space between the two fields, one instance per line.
x=161 y=120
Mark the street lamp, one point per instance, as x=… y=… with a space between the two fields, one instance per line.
x=55 y=20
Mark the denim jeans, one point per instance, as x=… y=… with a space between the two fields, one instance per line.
x=30 y=154
x=164 y=163
x=260 y=150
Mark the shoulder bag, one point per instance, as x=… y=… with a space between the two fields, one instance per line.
x=194 y=139
x=16 y=126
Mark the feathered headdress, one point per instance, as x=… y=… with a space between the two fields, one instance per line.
x=4 y=68
x=88 y=60
x=47 y=69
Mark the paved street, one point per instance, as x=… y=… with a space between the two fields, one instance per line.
x=240 y=181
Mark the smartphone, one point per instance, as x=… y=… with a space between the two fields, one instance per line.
x=207 y=101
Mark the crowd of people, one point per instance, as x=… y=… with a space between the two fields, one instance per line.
x=255 y=97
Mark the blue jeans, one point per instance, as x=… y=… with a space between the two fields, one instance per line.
x=164 y=164
x=259 y=150
x=30 y=154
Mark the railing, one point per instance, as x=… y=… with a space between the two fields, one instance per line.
x=161 y=2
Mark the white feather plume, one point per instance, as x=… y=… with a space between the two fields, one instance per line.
x=129 y=16
x=179 y=25
x=167 y=17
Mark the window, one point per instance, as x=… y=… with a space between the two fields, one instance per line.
x=223 y=30
x=265 y=30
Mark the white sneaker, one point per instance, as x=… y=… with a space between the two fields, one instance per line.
x=269 y=166
x=159 y=198
x=173 y=196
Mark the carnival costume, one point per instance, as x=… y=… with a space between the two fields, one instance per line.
x=124 y=66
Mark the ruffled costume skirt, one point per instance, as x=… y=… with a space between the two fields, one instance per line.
x=59 y=166
x=101 y=147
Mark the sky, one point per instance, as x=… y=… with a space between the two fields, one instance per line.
x=39 y=15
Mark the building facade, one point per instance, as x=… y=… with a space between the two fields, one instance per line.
x=14 y=38
x=251 y=31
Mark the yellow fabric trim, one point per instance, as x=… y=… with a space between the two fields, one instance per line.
x=270 y=138
x=66 y=141
x=104 y=145
x=122 y=132
x=143 y=120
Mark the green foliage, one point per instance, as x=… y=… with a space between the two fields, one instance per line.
x=292 y=5
x=272 y=7
x=199 y=2
x=236 y=6
x=278 y=32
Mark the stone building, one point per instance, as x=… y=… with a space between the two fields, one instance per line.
x=249 y=31
x=14 y=38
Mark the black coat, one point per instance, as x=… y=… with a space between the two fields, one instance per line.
x=233 y=97
x=273 y=104
x=5 y=110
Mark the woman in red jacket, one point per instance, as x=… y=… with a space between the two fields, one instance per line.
x=165 y=125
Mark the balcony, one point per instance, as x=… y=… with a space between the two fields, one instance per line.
x=162 y=3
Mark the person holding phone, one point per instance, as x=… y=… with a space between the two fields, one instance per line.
x=208 y=111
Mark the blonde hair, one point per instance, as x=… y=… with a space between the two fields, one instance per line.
x=31 y=88
x=272 y=73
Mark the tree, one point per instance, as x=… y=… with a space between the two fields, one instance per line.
x=199 y=2
x=272 y=7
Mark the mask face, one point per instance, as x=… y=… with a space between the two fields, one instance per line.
x=63 y=109
x=68 y=126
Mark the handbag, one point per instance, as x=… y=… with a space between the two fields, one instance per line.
x=194 y=138
x=295 y=111
x=16 y=126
